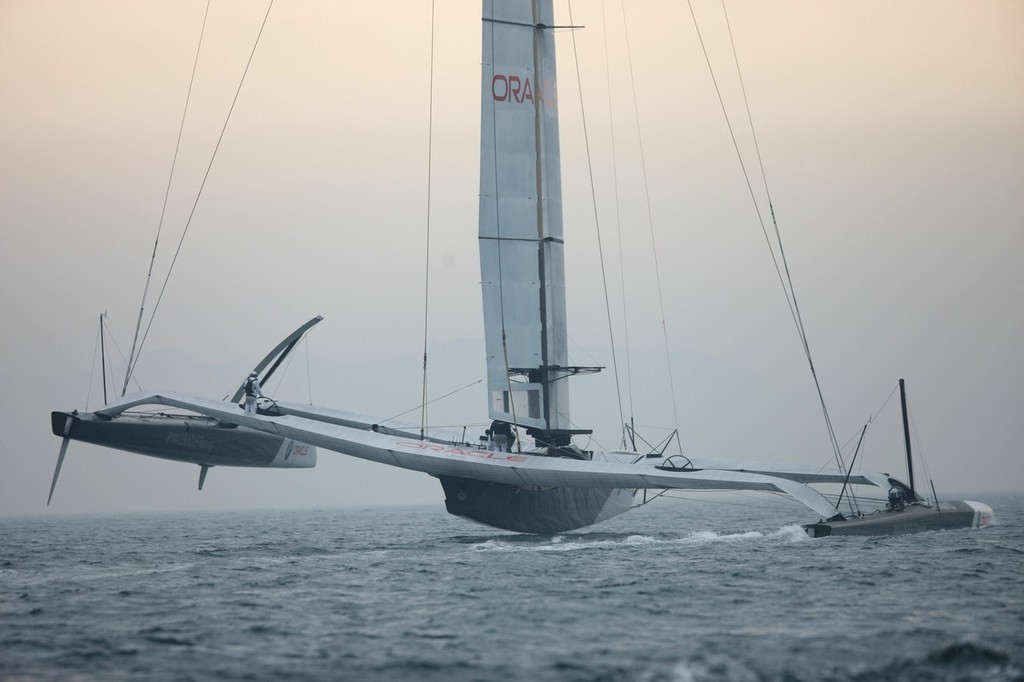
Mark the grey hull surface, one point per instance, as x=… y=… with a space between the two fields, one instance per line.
x=912 y=519
x=541 y=511
x=196 y=440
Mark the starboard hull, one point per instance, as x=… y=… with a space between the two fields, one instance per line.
x=912 y=519
x=529 y=509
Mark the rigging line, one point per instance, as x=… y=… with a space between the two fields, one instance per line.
x=690 y=498
x=597 y=221
x=787 y=284
x=426 y=265
x=743 y=167
x=508 y=381
x=288 y=356
x=650 y=223
x=760 y=163
x=188 y=222
x=582 y=349
x=120 y=352
x=846 y=478
x=309 y=376
x=167 y=193
x=750 y=118
x=871 y=420
x=591 y=437
x=92 y=372
x=764 y=179
x=914 y=433
x=442 y=397
x=775 y=226
x=618 y=222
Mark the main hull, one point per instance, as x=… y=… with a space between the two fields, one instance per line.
x=530 y=509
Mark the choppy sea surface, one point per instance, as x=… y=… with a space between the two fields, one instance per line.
x=677 y=590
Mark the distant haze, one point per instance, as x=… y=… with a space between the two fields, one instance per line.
x=892 y=137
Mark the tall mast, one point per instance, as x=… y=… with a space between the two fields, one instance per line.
x=103 y=358
x=906 y=435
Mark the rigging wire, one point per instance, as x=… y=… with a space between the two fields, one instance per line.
x=284 y=370
x=120 y=352
x=440 y=397
x=188 y=222
x=597 y=222
x=871 y=420
x=920 y=451
x=670 y=495
x=787 y=281
x=309 y=376
x=167 y=193
x=92 y=373
x=650 y=223
x=618 y=226
x=426 y=265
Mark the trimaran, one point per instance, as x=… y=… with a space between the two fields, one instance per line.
x=552 y=485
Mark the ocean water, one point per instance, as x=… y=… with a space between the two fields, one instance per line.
x=678 y=590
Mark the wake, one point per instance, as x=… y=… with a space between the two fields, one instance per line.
x=600 y=541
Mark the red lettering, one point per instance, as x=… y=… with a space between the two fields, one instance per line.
x=484 y=454
x=516 y=89
x=513 y=85
x=503 y=96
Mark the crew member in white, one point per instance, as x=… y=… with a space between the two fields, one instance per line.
x=252 y=392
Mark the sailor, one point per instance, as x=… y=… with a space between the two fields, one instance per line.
x=896 y=498
x=502 y=438
x=252 y=392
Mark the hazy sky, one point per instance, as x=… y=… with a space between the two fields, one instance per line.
x=892 y=135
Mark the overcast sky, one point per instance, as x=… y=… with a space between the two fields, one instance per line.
x=891 y=133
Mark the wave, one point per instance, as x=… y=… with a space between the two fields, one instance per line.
x=962 y=660
x=955 y=662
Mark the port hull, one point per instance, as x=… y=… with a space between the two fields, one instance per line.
x=193 y=439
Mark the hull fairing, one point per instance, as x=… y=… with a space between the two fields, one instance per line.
x=527 y=509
